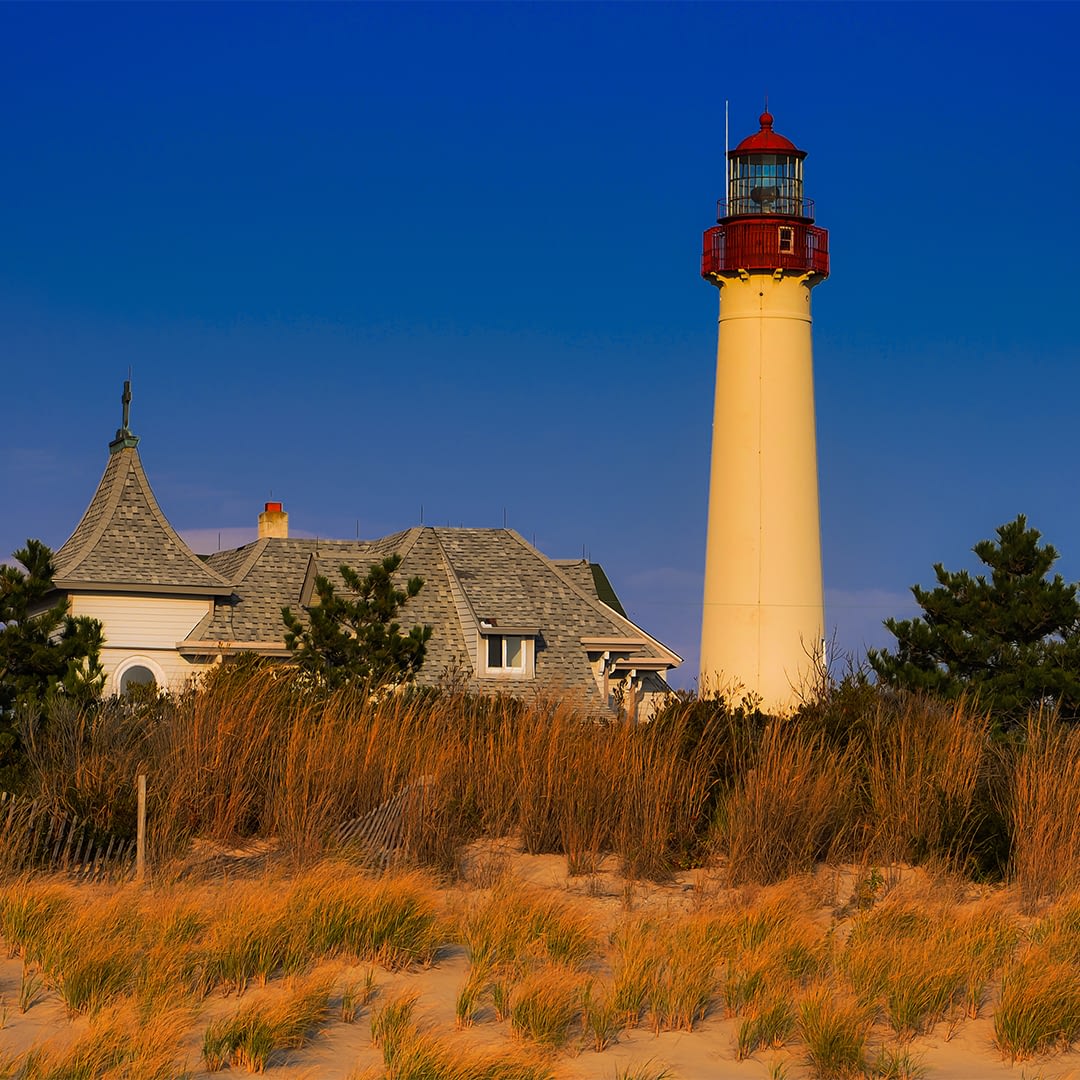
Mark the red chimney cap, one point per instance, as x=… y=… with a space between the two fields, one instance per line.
x=766 y=141
x=273 y=508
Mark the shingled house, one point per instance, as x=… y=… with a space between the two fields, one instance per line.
x=504 y=616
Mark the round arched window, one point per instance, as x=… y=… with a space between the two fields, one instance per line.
x=137 y=676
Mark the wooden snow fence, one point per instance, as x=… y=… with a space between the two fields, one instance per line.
x=37 y=837
x=380 y=834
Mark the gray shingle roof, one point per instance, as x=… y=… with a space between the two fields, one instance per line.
x=269 y=574
x=590 y=578
x=508 y=580
x=469 y=575
x=125 y=543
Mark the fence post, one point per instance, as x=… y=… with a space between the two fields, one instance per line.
x=140 y=835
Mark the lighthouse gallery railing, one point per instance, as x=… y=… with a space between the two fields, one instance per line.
x=765 y=244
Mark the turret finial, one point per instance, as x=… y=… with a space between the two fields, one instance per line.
x=124 y=439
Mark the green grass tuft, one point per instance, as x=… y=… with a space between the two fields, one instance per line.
x=546 y=1005
x=834 y=1033
x=249 y=1038
x=1038 y=1009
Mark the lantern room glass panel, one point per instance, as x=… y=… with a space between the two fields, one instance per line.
x=765 y=184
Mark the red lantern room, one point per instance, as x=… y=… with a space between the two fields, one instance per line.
x=765 y=223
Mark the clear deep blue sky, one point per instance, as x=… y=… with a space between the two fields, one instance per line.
x=369 y=258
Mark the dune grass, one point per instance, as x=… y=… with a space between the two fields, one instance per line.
x=1038 y=1010
x=515 y=937
x=255 y=1032
x=909 y=960
x=986 y=937
x=421 y=1056
x=89 y=953
x=356 y=994
x=770 y=1025
x=28 y=911
x=917 y=961
x=602 y=1018
x=637 y=953
x=248 y=939
x=897 y=1063
x=686 y=982
x=101 y=947
x=547 y=1004
x=469 y=996
x=834 y=1032
x=515 y=923
x=393 y=1027
x=117 y=1043
x=390 y=920
x=679 y=969
x=863 y=776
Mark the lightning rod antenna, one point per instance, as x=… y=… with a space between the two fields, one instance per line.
x=727 y=176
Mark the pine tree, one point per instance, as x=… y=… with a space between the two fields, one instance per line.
x=43 y=650
x=356 y=638
x=1012 y=638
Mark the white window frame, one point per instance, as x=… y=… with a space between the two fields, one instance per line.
x=786 y=233
x=526 y=670
x=130 y=662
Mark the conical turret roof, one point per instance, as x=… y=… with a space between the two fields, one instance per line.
x=124 y=543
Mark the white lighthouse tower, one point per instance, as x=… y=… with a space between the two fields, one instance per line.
x=764 y=616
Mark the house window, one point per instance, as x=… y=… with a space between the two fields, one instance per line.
x=505 y=652
x=138 y=674
x=787 y=241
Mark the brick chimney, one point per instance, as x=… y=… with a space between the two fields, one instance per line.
x=273 y=521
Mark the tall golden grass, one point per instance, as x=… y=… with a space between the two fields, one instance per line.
x=1044 y=809
x=790 y=807
x=866 y=776
x=251 y=754
x=923 y=773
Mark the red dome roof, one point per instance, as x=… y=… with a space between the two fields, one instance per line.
x=766 y=141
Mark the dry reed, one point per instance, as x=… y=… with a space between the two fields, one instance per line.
x=789 y=807
x=923 y=774
x=869 y=777
x=1043 y=805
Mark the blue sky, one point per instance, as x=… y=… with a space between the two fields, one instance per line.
x=370 y=258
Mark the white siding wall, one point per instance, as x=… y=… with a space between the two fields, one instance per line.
x=144 y=629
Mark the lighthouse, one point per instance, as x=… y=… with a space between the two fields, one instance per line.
x=764 y=612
